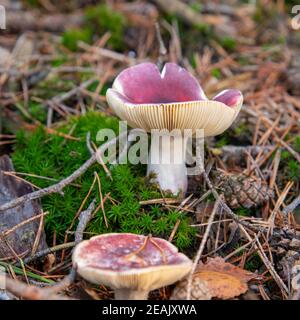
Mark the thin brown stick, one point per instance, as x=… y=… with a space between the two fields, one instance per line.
x=7 y=232
x=101 y=199
x=292 y=206
x=45 y=252
x=201 y=248
x=30 y=292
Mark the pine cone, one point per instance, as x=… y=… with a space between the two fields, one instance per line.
x=242 y=191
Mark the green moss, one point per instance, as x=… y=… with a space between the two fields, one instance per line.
x=204 y=29
x=216 y=72
x=196 y=6
x=244 y=61
x=228 y=43
x=37 y=111
x=221 y=142
x=289 y=166
x=32 y=3
x=244 y=212
x=253 y=263
x=59 y=61
x=53 y=156
x=296 y=144
x=242 y=129
x=71 y=37
x=101 y=19
x=293 y=170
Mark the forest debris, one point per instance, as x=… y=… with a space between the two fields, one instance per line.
x=215 y=279
x=234 y=154
x=23 y=49
x=200 y=290
x=201 y=248
x=139 y=14
x=5 y=56
x=292 y=206
x=295 y=244
x=296 y=280
x=20 y=20
x=18 y=234
x=293 y=75
x=243 y=191
x=31 y=292
x=51 y=293
x=189 y=15
x=245 y=81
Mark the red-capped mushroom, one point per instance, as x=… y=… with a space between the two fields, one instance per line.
x=172 y=99
x=131 y=264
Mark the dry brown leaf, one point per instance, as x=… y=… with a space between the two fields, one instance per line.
x=218 y=264
x=221 y=285
x=215 y=279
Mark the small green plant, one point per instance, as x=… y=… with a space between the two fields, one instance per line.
x=71 y=37
x=221 y=142
x=228 y=43
x=196 y=6
x=59 y=61
x=253 y=263
x=296 y=144
x=101 y=19
x=216 y=72
x=289 y=166
x=244 y=212
x=244 y=61
x=37 y=111
x=55 y=157
x=242 y=129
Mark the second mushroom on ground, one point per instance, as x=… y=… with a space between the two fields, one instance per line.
x=131 y=264
x=172 y=99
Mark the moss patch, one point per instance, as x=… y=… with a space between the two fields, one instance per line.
x=55 y=157
x=101 y=19
x=71 y=37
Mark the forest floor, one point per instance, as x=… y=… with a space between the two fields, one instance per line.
x=57 y=61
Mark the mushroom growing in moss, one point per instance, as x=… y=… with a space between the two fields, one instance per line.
x=131 y=264
x=167 y=100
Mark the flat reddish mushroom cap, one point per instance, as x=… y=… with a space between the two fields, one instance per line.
x=172 y=99
x=130 y=261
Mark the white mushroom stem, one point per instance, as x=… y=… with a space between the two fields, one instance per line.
x=129 y=294
x=167 y=160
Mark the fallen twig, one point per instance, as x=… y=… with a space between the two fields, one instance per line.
x=292 y=206
x=84 y=219
x=201 y=248
x=30 y=292
x=45 y=252
x=189 y=15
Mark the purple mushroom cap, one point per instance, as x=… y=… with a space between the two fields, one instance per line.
x=125 y=251
x=144 y=84
x=130 y=261
x=171 y=99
